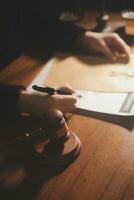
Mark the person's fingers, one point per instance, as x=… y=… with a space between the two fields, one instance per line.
x=121 y=45
x=107 y=51
x=66 y=99
x=67 y=88
x=65 y=103
x=70 y=88
x=66 y=109
x=119 y=48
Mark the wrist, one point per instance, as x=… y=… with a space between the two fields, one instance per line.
x=85 y=39
x=23 y=102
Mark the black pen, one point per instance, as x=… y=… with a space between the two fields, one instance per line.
x=50 y=90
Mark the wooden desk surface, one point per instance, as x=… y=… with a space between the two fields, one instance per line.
x=103 y=171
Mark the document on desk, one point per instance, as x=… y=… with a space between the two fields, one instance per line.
x=102 y=88
x=115 y=103
x=91 y=73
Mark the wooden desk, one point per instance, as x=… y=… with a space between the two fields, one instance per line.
x=103 y=171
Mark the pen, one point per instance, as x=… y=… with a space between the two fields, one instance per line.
x=50 y=90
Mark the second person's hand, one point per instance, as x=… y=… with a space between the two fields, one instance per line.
x=110 y=45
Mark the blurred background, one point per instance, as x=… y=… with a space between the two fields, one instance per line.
x=111 y=5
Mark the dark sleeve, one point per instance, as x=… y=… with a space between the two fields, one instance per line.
x=61 y=35
x=41 y=23
x=57 y=34
x=8 y=99
x=33 y=21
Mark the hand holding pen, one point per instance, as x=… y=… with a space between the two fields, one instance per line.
x=42 y=99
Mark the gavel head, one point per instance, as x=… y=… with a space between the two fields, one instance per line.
x=63 y=146
x=55 y=126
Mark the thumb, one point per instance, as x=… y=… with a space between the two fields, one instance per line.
x=67 y=88
x=107 y=52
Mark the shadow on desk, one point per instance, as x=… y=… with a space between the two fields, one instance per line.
x=124 y=121
x=22 y=179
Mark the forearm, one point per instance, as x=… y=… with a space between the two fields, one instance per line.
x=58 y=35
x=9 y=95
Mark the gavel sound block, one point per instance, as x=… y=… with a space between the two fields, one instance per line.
x=63 y=146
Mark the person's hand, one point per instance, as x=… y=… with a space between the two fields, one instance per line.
x=38 y=103
x=109 y=44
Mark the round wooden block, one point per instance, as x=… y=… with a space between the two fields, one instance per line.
x=61 y=154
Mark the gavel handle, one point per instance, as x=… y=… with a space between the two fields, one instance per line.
x=27 y=137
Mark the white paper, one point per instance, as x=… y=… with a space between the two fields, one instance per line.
x=106 y=102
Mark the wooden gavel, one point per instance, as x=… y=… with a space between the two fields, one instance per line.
x=63 y=146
